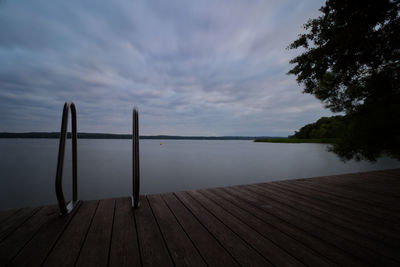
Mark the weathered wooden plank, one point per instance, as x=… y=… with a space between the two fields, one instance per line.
x=386 y=176
x=394 y=175
x=327 y=224
x=96 y=247
x=67 y=248
x=395 y=172
x=373 y=182
x=330 y=182
x=284 y=241
x=13 y=222
x=351 y=178
x=389 y=205
x=354 y=199
x=181 y=248
x=264 y=246
x=345 y=217
x=370 y=182
x=346 y=220
x=152 y=246
x=375 y=188
x=391 y=176
x=337 y=244
x=368 y=223
x=357 y=209
x=36 y=251
x=5 y=214
x=213 y=253
x=124 y=245
x=11 y=245
x=237 y=247
x=291 y=225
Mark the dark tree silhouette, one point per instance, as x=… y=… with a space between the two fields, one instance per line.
x=351 y=62
x=331 y=127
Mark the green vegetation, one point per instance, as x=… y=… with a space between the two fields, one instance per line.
x=351 y=62
x=332 y=127
x=325 y=130
x=298 y=140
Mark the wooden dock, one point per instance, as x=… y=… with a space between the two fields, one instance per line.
x=347 y=220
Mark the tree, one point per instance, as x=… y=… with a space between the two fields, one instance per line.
x=323 y=128
x=351 y=62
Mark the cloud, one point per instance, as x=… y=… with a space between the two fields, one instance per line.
x=192 y=68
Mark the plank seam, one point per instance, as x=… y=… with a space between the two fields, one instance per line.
x=360 y=235
x=86 y=234
x=137 y=238
x=162 y=235
x=357 y=203
x=328 y=202
x=267 y=224
x=373 y=235
x=289 y=224
x=19 y=225
x=358 y=190
x=9 y=215
x=232 y=230
x=309 y=213
x=354 y=198
x=61 y=233
x=315 y=236
x=211 y=234
x=111 y=234
x=301 y=211
x=359 y=186
x=27 y=242
x=194 y=245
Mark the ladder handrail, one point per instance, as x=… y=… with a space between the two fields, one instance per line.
x=65 y=209
x=135 y=159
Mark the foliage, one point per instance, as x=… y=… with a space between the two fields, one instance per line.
x=331 y=127
x=351 y=62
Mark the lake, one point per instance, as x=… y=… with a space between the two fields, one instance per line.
x=28 y=166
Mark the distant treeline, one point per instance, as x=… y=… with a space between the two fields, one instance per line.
x=325 y=127
x=325 y=130
x=298 y=140
x=123 y=136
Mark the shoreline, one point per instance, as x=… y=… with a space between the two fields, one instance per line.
x=297 y=140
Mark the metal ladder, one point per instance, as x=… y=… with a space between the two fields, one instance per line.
x=67 y=208
x=135 y=159
x=64 y=208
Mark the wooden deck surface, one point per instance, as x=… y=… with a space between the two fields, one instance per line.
x=347 y=220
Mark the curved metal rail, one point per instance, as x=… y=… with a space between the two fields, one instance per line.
x=135 y=159
x=65 y=209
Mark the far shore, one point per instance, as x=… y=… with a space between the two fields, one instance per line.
x=297 y=140
x=126 y=136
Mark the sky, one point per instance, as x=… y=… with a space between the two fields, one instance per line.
x=215 y=68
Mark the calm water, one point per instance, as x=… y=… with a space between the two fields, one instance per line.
x=28 y=166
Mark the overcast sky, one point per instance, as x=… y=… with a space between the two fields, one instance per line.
x=192 y=67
